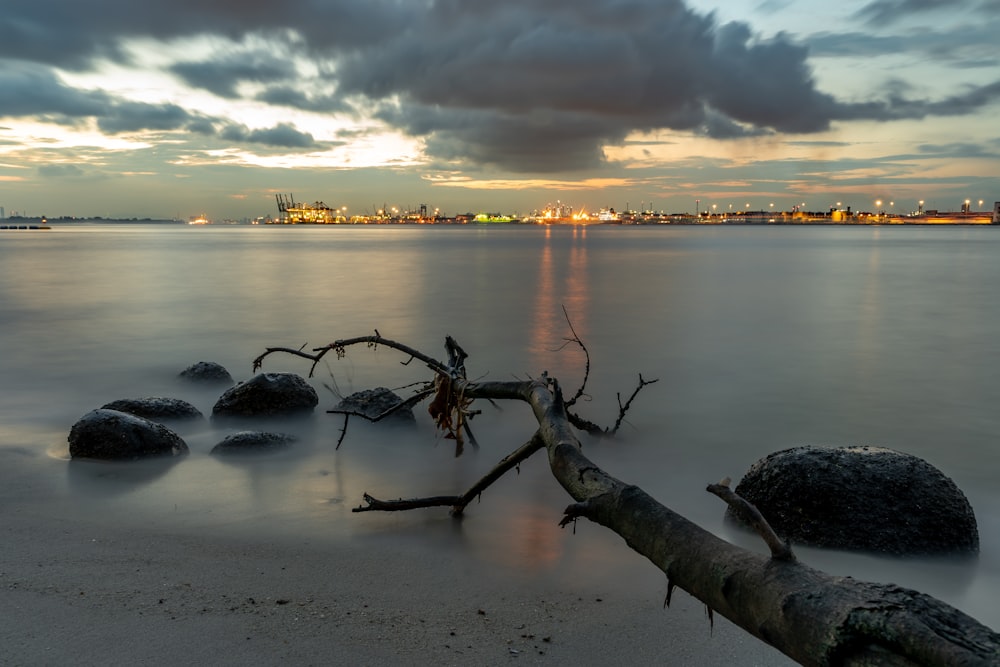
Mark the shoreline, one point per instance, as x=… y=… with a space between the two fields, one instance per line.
x=674 y=220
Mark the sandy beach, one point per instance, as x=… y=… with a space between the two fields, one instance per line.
x=80 y=590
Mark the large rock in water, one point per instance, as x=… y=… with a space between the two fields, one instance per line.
x=861 y=499
x=373 y=402
x=156 y=408
x=113 y=435
x=267 y=395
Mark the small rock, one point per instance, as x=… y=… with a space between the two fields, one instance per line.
x=207 y=372
x=253 y=442
x=373 y=402
x=155 y=408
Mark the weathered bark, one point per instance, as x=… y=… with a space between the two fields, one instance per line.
x=812 y=617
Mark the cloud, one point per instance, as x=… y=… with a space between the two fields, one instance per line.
x=224 y=76
x=61 y=171
x=962 y=46
x=550 y=83
x=898 y=107
x=989 y=150
x=766 y=84
x=295 y=97
x=136 y=116
x=282 y=134
x=880 y=12
x=30 y=90
x=522 y=85
x=71 y=34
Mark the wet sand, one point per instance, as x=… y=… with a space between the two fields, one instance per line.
x=86 y=592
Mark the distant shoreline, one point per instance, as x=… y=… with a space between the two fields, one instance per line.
x=43 y=220
x=682 y=221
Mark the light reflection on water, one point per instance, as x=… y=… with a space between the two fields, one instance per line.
x=761 y=338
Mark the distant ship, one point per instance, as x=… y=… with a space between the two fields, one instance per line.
x=200 y=220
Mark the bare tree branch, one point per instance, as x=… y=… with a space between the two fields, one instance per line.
x=814 y=618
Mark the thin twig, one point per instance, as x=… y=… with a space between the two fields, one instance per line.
x=586 y=355
x=622 y=409
x=343 y=431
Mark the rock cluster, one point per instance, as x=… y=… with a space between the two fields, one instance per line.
x=132 y=428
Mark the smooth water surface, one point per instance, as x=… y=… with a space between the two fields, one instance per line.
x=761 y=338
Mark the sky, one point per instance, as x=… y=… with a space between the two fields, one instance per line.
x=163 y=109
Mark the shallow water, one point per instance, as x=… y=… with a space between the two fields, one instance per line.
x=761 y=338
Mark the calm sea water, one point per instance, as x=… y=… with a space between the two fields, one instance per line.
x=761 y=338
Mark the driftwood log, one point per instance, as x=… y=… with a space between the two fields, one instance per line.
x=813 y=617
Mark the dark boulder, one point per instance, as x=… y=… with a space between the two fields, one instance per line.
x=373 y=402
x=253 y=442
x=156 y=408
x=207 y=372
x=113 y=435
x=861 y=499
x=267 y=395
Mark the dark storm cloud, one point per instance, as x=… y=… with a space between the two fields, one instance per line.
x=519 y=83
x=526 y=85
x=282 y=135
x=565 y=78
x=766 y=84
x=546 y=140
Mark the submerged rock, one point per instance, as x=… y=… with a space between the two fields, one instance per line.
x=156 y=408
x=113 y=435
x=373 y=402
x=253 y=442
x=207 y=372
x=267 y=395
x=861 y=499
